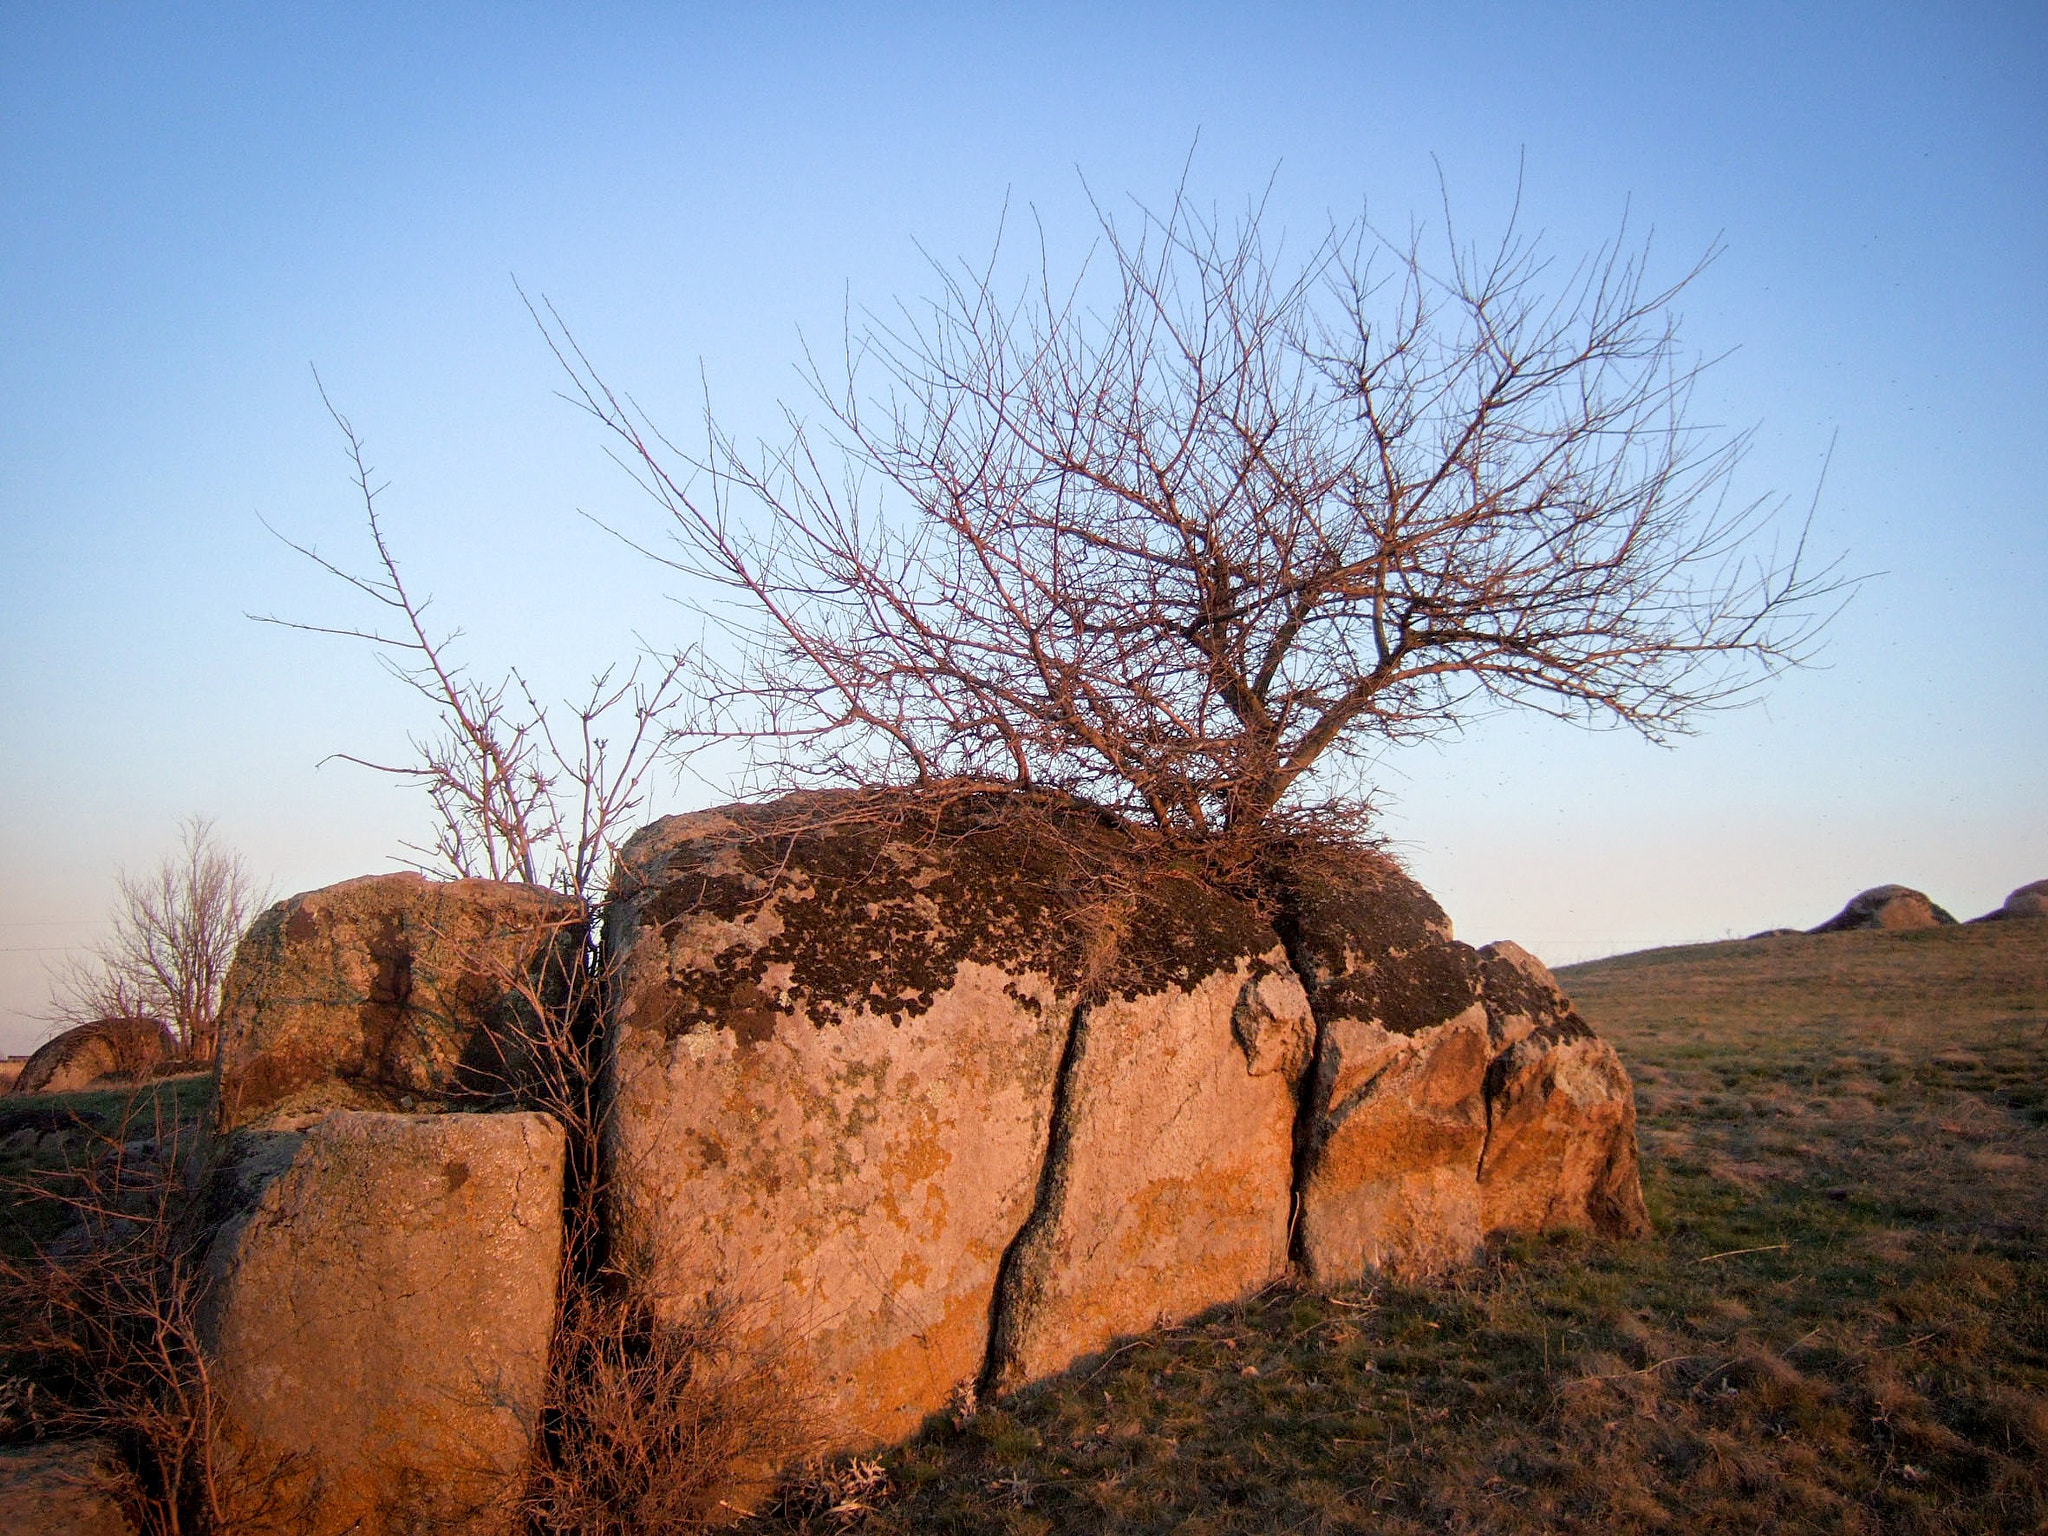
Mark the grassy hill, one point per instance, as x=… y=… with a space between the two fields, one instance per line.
x=1840 y=1324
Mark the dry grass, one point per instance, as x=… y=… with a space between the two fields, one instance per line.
x=656 y=1426
x=100 y=1294
x=1840 y=1324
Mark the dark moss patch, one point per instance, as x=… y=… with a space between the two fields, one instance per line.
x=1369 y=942
x=873 y=902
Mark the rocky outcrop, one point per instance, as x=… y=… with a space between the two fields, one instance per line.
x=104 y=1051
x=1888 y=907
x=2027 y=901
x=391 y=992
x=906 y=1080
x=66 y=1488
x=1456 y=1092
x=378 y=1314
x=907 y=1094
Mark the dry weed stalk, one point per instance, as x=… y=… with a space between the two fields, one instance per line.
x=651 y=1423
x=516 y=796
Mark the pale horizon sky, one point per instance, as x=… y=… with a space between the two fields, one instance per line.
x=201 y=203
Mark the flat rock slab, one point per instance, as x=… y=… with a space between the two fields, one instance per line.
x=391 y=992
x=66 y=1488
x=379 y=1313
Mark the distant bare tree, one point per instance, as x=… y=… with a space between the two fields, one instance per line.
x=1185 y=539
x=515 y=795
x=174 y=932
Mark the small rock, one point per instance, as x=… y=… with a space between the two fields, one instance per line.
x=389 y=992
x=104 y=1050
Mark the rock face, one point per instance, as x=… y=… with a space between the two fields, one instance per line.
x=378 y=1314
x=937 y=1094
x=388 y=992
x=106 y=1050
x=1166 y=1186
x=2027 y=901
x=1886 y=906
x=65 y=1488
x=1456 y=1092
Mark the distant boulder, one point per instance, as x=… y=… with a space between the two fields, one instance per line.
x=106 y=1050
x=1895 y=907
x=2027 y=901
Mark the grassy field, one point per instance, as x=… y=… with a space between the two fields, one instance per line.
x=44 y=1134
x=1839 y=1324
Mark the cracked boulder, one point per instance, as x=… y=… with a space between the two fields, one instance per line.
x=377 y=1314
x=1456 y=1093
x=1167 y=1185
x=391 y=992
x=889 y=1076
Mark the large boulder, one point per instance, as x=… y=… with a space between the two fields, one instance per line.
x=2027 y=901
x=66 y=1488
x=940 y=1094
x=1456 y=1093
x=390 y=992
x=1888 y=907
x=378 y=1311
x=103 y=1051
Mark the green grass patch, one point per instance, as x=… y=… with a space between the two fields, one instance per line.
x=45 y=1136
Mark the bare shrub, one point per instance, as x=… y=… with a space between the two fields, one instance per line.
x=174 y=932
x=101 y=1330
x=656 y=1425
x=1188 y=537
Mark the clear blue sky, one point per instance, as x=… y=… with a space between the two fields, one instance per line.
x=196 y=203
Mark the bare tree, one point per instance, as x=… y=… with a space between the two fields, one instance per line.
x=1194 y=549
x=174 y=932
x=515 y=795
